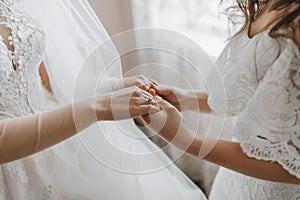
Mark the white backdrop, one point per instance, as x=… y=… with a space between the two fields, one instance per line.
x=199 y=20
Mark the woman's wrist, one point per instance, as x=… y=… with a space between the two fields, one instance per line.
x=195 y=101
x=188 y=143
x=101 y=107
x=195 y=147
x=190 y=101
x=85 y=113
x=116 y=83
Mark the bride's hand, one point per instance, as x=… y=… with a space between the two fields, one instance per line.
x=124 y=104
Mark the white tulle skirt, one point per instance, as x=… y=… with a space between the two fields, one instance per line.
x=108 y=161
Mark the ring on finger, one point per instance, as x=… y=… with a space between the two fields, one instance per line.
x=150 y=99
x=153 y=82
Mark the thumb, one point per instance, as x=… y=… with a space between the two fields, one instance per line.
x=164 y=104
x=163 y=90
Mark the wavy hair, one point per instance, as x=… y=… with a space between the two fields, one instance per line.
x=286 y=23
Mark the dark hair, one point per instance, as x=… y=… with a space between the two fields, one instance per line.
x=287 y=23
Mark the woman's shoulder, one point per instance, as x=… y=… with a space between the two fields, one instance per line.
x=244 y=64
x=263 y=48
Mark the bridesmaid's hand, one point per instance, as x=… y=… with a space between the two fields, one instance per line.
x=124 y=104
x=175 y=96
x=171 y=126
x=169 y=123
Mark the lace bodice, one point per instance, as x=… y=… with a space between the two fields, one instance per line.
x=261 y=81
x=20 y=87
x=21 y=90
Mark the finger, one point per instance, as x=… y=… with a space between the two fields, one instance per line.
x=165 y=105
x=148 y=85
x=155 y=103
x=144 y=87
x=146 y=94
x=146 y=101
x=153 y=82
x=138 y=92
x=148 y=109
x=158 y=98
x=162 y=90
x=152 y=92
x=142 y=101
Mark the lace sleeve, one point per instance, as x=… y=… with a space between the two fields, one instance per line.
x=269 y=127
x=240 y=67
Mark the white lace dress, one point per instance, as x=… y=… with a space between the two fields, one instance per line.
x=261 y=78
x=67 y=171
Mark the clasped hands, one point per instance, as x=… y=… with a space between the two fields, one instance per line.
x=157 y=105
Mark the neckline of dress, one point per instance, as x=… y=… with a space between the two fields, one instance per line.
x=6 y=4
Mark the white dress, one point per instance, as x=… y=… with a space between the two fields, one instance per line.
x=261 y=77
x=68 y=171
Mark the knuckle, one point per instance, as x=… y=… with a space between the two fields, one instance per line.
x=136 y=90
x=142 y=77
x=137 y=83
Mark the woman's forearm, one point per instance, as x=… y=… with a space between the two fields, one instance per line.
x=196 y=101
x=25 y=136
x=224 y=153
x=230 y=155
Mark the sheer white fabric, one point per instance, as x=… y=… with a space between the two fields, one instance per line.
x=261 y=81
x=101 y=164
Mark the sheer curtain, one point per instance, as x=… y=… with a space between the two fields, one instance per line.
x=116 y=16
x=199 y=20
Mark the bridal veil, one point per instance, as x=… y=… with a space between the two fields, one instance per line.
x=111 y=160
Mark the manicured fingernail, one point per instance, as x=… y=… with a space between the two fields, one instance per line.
x=143 y=87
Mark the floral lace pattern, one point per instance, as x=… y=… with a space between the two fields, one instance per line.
x=239 y=72
x=19 y=86
x=20 y=82
x=274 y=109
x=230 y=185
x=268 y=126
